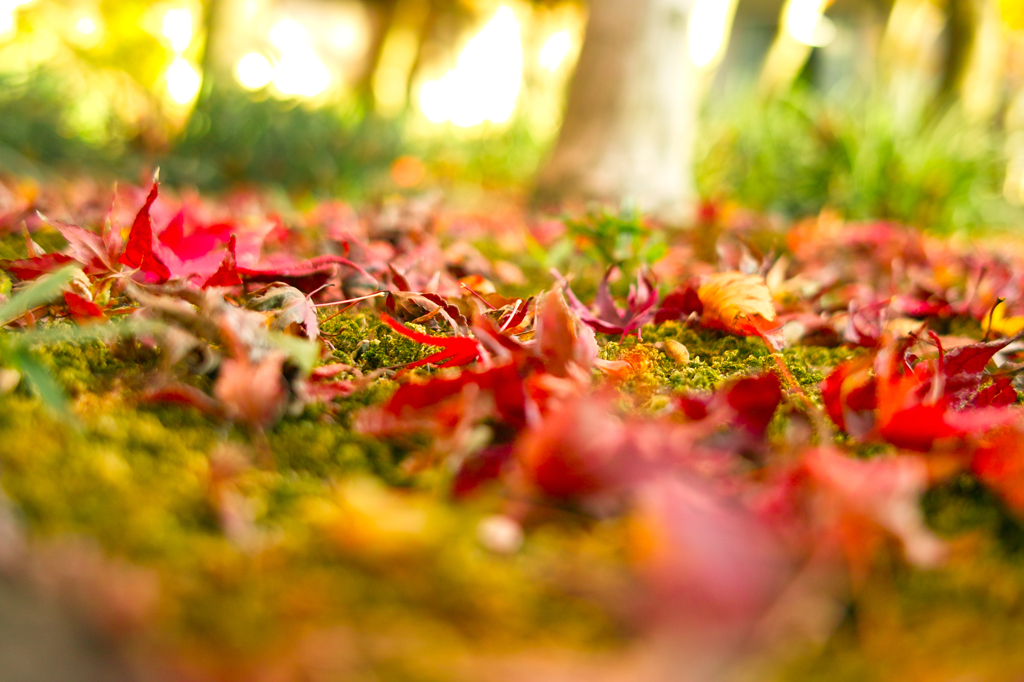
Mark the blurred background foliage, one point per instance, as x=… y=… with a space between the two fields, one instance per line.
x=806 y=152
x=909 y=110
x=231 y=138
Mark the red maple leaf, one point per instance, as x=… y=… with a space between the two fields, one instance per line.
x=999 y=464
x=751 y=401
x=963 y=369
x=707 y=559
x=482 y=467
x=861 y=499
x=88 y=248
x=914 y=406
x=138 y=250
x=81 y=308
x=30 y=268
x=455 y=350
x=227 y=274
x=680 y=304
x=200 y=240
x=1000 y=393
x=503 y=382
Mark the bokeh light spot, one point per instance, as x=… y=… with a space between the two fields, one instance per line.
x=183 y=80
x=254 y=71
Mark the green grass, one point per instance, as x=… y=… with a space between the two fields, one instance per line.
x=798 y=155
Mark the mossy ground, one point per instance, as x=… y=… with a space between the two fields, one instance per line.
x=323 y=526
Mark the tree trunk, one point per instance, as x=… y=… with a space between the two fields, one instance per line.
x=383 y=18
x=983 y=88
x=960 y=29
x=629 y=124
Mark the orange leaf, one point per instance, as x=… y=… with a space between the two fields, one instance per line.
x=739 y=304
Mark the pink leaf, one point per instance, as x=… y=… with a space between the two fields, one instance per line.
x=640 y=303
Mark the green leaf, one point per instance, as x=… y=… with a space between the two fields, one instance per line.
x=304 y=352
x=656 y=253
x=45 y=384
x=36 y=294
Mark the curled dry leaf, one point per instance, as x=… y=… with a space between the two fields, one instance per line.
x=739 y=304
x=560 y=338
x=423 y=308
x=677 y=351
x=290 y=311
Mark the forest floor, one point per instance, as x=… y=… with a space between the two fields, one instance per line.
x=407 y=442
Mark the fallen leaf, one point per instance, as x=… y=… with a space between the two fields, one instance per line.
x=81 y=308
x=227 y=274
x=999 y=464
x=455 y=351
x=739 y=304
x=610 y=319
x=138 y=250
x=913 y=407
x=253 y=393
x=865 y=496
x=27 y=269
x=560 y=339
x=291 y=311
x=307 y=276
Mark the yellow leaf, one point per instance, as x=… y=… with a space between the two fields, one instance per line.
x=739 y=304
x=732 y=296
x=1007 y=326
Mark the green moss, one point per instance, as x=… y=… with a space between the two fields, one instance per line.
x=322 y=449
x=13 y=247
x=320 y=540
x=363 y=341
x=717 y=358
x=94 y=366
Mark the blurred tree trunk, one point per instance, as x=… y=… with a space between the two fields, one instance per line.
x=427 y=29
x=961 y=28
x=983 y=87
x=384 y=16
x=629 y=124
x=910 y=57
